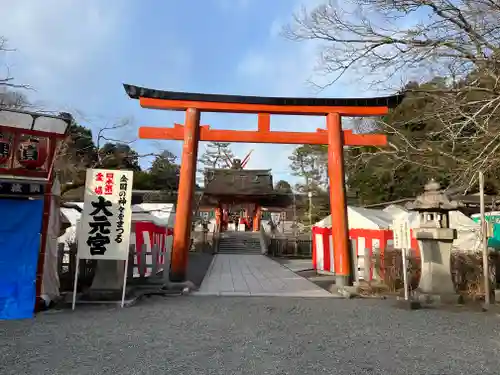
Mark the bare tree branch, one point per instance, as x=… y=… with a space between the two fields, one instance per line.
x=7 y=80
x=72 y=161
x=452 y=125
x=385 y=38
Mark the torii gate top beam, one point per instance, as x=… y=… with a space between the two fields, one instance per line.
x=181 y=101
x=263 y=106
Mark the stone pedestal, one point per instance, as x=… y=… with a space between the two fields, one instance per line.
x=109 y=275
x=435 y=245
x=108 y=281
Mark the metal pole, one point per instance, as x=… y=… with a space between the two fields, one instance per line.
x=282 y=221
x=295 y=248
x=294 y=215
x=484 y=237
x=75 y=284
x=125 y=279
x=310 y=195
x=404 y=253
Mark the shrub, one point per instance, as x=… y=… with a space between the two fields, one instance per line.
x=466 y=269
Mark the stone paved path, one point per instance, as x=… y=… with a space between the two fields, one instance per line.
x=255 y=275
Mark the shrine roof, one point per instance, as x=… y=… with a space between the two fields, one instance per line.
x=136 y=92
x=238 y=182
x=277 y=200
x=240 y=171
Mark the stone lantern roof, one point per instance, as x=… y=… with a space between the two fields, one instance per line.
x=433 y=199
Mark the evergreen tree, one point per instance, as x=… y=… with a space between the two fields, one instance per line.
x=118 y=156
x=283 y=187
x=310 y=163
x=165 y=172
x=216 y=154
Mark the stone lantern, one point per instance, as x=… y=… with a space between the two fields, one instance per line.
x=435 y=239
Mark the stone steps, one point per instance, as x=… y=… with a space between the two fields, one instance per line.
x=239 y=243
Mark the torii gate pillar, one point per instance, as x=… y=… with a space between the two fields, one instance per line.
x=184 y=209
x=333 y=136
x=338 y=204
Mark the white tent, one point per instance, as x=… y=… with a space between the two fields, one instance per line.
x=157 y=213
x=468 y=231
x=162 y=213
x=71 y=214
x=395 y=211
x=361 y=218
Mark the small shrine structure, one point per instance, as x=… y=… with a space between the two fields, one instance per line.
x=238 y=195
x=28 y=146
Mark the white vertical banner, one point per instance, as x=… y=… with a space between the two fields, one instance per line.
x=320 y=252
x=360 y=262
x=401 y=232
x=332 y=256
x=402 y=240
x=104 y=231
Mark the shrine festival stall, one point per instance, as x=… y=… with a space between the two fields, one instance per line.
x=152 y=224
x=468 y=231
x=368 y=228
x=492 y=217
x=30 y=223
x=372 y=229
x=73 y=216
x=58 y=224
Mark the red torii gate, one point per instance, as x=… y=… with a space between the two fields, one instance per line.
x=191 y=133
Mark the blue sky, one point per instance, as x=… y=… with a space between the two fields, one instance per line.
x=77 y=54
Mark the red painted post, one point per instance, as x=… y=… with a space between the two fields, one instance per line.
x=256 y=218
x=338 y=206
x=184 y=209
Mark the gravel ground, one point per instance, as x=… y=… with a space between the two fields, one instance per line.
x=228 y=335
x=198 y=264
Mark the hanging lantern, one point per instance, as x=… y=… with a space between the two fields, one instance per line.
x=32 y=153
x=4 y=149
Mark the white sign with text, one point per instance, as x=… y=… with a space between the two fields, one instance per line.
x=104 y=231
x=401 y=232
x=402 y=240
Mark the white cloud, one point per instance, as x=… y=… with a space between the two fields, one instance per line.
x=231 y=5
x=286 y=68
x=54 y=39
x=280 y=68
